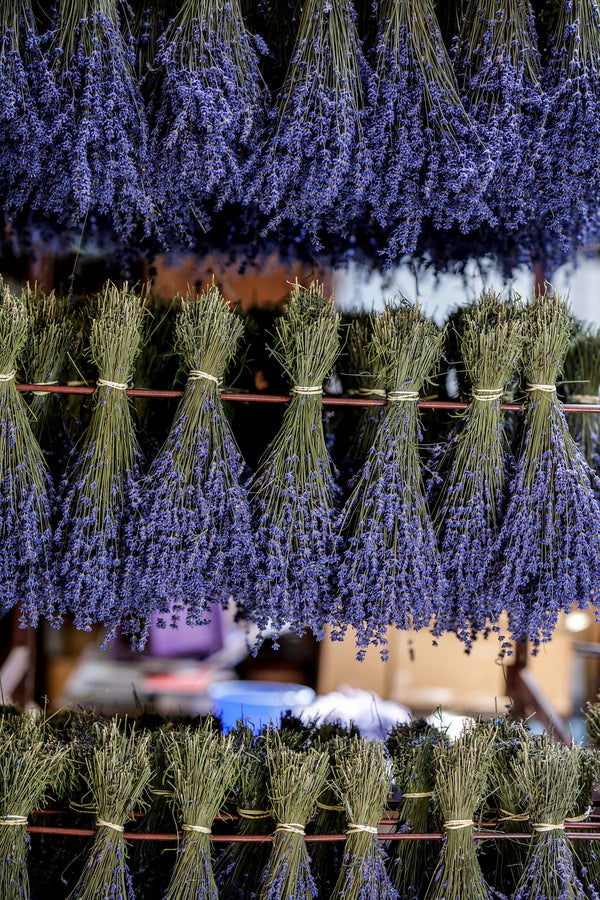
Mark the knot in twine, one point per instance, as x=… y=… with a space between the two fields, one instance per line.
x=13 y=820
x=354 y=828
x=544 y=388
x=198 y=374
x=399 y=396
x=542 y=827
x=371 y=392
x=417 y=795
x=301 y=389
x=487 y=395
x=9 y=376
x=253 y=813
x=291 y=828
x=114 y=827
x=39 y=384
x=199 y=829
x=512 y=817
x=326 y=806
x=116 y=385
x=455 y=824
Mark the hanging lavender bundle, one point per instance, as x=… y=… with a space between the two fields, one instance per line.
x=97 y=529
x=568 y=188
x=203 y=769
x=294 y=491
x=25 y=88
x=363 y=383
x=549 y=543
x=98 y=136
x=391 y=573
x=498 y=66
x=461 y=786
x=149 y=23
x=117 y=777
x=209 y=116
x=585 y=853
x=549 y=775
x=363 y=778
x=25 y=491
x=314 y=170
x=296 y=779
x=469 y=508
x=582 y=378
x=195 y=536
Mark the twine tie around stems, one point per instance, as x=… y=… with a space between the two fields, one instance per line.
x=302 y=389
x=543 y=827
x=455 y=824
x=417 y=795
x=160 y=793
x=198 y=375
x=585 y=399
x=512 y=817
x=39 y=384
x=581 y=818
x=119 y=828
x=291 y=828
x=487 y=395
x=8 y=377
x=399 y=396
x=117 y=385
x=198 y=829
x=371 y=392
x=13 y=820
x=355 y=828
x=544 y=388
x=329 y=808
x=253 y=813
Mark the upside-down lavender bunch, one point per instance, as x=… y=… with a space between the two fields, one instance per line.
x=25 y=490
x=209 y=116
x=294 y=491
x=363 y=778
x=462 y=771
x=582 y=378
x=585 y=853
x=315 y=169
x=391 y=572
x=296 y=780
x=568 y=192
x=98 y=136
x=364 y=427
x=427 y=158
x=591 y=716
x=25 y=87
x=117 y=775
x=549 y=542
x=470 y=506
x=203 y=770
x=150 y=18
x=498 y=68
x=411 y=748
x=31 y=763
x=549 y=775
x=195 y=536
x=97 y=528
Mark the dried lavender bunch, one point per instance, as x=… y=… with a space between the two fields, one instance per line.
x=462 y=772
x=117 y=775
x=209 y=113
x=363 y=383
x=363 y=778
x=296 y=780
x=239 y=869
x=203 y=769
x=148 y=25
x=315 y=169
x=100 y=492
x=412 y=749
x=195 y=537
x=428 y=159
x=294 y=491
x=31 y=763
x=469 y=509
x=25 y=495
x=568 y=182
x=591 y=716
x=391 y=573
x=98 y=135
x=26 y=87
x=549 y=775
x=549 y=542
x=582 y=378
x=498 y=66
x=585 y=853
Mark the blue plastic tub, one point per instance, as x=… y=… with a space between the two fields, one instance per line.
x=257 y=702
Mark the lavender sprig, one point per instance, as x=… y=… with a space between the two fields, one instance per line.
x=391 y=573
x=294 y=491
x=195 y=536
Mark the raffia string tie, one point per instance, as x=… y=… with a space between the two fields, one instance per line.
x=512 y=817
x=8 y=377
x=544 y=388
x=13 y=820
x=39 y=384
x=487 y=395
x=455 y=824
x=199 y=829
x=112 y=825
x=372 y=392
x=541 y=827
x=82 y=807
x=399 y=396
x=585 y=399
x=580 y=818
x=301 y=389
x=417 y=795
x=116 y=385
x=198 y=374
x=160 y=793
x=291 y=828
x=354 y=828
x=329 y=808
x=253 y=813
